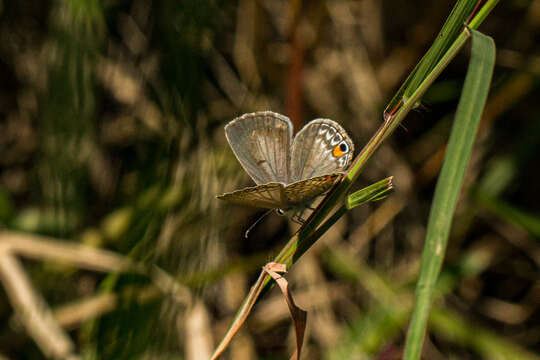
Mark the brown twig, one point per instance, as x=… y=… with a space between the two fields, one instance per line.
x=47 y=248
x=32 y=309
x=71 y=315
x=294 y=81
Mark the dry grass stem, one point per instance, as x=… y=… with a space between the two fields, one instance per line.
x=32 y=310
x=45 y=248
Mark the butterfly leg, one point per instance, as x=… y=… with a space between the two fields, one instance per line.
x=296 y=220
x=297 y=217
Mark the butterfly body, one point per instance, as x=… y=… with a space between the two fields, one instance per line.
x=289 y=172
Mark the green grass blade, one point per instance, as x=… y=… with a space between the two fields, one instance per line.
x=468 y=116
x=373 y=192
x=509 y=213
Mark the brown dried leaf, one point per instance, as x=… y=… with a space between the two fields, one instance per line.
x=298 y=315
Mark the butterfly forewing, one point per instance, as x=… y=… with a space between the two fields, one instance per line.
x=321 y=147
x=269 y=196
x=289 y=173
x=261 y=142
x=303 y=191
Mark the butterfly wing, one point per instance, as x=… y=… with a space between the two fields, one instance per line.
x=261 y=142
x=303 y=191
x=269 y=196
x=320 y=147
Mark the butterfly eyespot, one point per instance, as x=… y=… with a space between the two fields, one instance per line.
x=340 y=149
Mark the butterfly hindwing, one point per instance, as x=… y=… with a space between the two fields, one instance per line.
x=269 y=196
x=261 y=142
x=321 y=147
x=303 y=191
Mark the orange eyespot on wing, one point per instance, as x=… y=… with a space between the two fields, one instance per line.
x=330 y=178
x=340 y=149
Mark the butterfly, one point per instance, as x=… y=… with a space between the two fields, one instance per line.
x=290 y=172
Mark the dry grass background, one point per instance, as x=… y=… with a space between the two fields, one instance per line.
x=111 y=135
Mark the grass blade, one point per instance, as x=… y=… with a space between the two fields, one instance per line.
x=373 y=192
x=468 y=116
x=508 y=212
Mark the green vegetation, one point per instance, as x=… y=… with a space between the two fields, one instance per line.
x=113 y=245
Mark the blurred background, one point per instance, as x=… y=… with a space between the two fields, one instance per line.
x=112 y=148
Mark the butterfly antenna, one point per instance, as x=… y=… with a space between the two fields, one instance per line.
x=256 y=222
